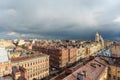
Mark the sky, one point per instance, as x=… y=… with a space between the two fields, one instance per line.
x=59 y=19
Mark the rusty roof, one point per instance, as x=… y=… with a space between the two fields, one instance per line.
x=93 y=70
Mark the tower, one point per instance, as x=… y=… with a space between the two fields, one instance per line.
x=102 y=41
x=97 y=37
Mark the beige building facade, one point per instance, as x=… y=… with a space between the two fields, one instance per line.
x=36 y=65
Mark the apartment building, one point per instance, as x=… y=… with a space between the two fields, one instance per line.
x=36 y=65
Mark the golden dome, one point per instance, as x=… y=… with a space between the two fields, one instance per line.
x=97 y=34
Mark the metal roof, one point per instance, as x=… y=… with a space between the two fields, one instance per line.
x=93 y=70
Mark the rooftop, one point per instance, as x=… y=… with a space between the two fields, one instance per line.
x=29 y=56
x=16 y=69
x=6 y=78
x=91 y=71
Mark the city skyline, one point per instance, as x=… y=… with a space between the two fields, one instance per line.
x=65 y=19
x=60 y=59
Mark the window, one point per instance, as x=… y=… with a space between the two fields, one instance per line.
x=31 y=75
x=6 y=68
x=114 y=77
x=109 y=75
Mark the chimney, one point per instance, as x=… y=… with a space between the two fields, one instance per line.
x=80 y=76
x=84 y=73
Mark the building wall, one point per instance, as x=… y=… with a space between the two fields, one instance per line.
x=37 y=67
x=5 y=68
x=81 y=53
x=115 y=50
x=19 y=73
x=59 y=57
x=104 y=76
x=94 y=49
x=14 y=55
x=72 y=55
x=64 y=58
x=87 y=50
x=98 y=46
x=114 y=73
x=107 y=43
x=87 y=53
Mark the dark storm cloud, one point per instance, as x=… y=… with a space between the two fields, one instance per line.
x=59 y=19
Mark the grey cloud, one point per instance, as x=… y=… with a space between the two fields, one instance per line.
x=60 y=19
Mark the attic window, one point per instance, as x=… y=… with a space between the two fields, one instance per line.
x=93 y=65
